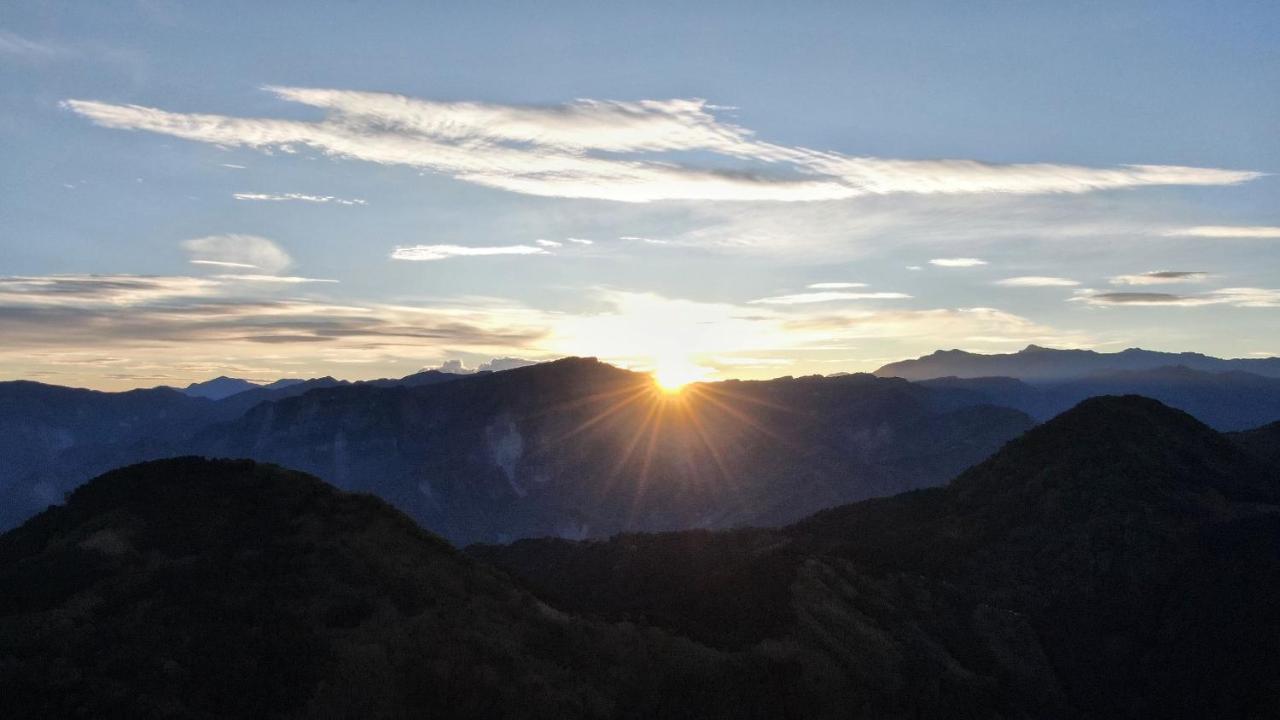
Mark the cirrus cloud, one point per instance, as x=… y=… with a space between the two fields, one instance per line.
x=609 y=150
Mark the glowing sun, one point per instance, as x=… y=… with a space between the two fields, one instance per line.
x=672 y=374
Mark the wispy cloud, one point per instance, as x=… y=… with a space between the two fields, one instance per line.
x=609 y=150
x=581 y=241
x=280 y=279
x=15 y=45
x=829 y=296
x=238 y=251
x=548 y=243
x=444 y=252
x=1235 y=297
x=957 y=262
x=224 y=263
x=102 y=290
x=282 y=197
x=835 y=285
x=1037 y=281
x=1160 y=277
x=1228 y=231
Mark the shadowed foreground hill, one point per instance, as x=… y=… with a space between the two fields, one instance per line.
x=1122 y=560
x=194 y=588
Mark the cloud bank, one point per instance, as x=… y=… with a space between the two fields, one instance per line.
x=613 y=150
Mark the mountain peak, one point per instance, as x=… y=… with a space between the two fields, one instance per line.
x=1122 y=445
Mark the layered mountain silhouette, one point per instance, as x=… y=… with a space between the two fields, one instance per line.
x=577 y=448
x=1121 y=560
x=1039 y=364
x=572 y=448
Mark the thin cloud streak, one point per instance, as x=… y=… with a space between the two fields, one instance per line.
x=957 y=262
x=1036 y=281
x=830 y=296
x=1161 y=277
x=1234 y=297
x=423 y=253
x=284 y=197
x=1227 y=231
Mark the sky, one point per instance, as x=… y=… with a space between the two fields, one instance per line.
x=747 y=190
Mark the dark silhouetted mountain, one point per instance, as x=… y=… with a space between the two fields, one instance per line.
x=219 y=387
x=1224 y=400
x=578 y=448
x=418 y=379
x=1121 y=560
x=1263 y=443
x=1038 y=364
x=190 y=588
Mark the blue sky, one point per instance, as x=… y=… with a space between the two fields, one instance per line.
x=301 y=189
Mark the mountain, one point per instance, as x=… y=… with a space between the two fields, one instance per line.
x=190 y=588
x=1038 y=364
x=1263 y=443
x=219 y=387
x=1225 y=400
x=578 y=448
x=46 y=427
x=1121 y=560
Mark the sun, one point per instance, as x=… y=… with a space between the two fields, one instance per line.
x=672 y=374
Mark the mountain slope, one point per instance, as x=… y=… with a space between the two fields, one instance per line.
x=218 y=388
x=1039 y=364
x=1121 y=560
x=194 y=588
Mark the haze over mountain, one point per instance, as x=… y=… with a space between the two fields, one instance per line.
x=1039 y=364
x=1121 y=560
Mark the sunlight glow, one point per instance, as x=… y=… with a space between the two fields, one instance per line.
x=672 y=374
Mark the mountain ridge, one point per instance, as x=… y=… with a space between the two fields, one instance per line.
x=1039 y=364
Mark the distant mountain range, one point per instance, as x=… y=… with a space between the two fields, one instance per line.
x=1039 y=364
x=577 y=448
x=1120 y=560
